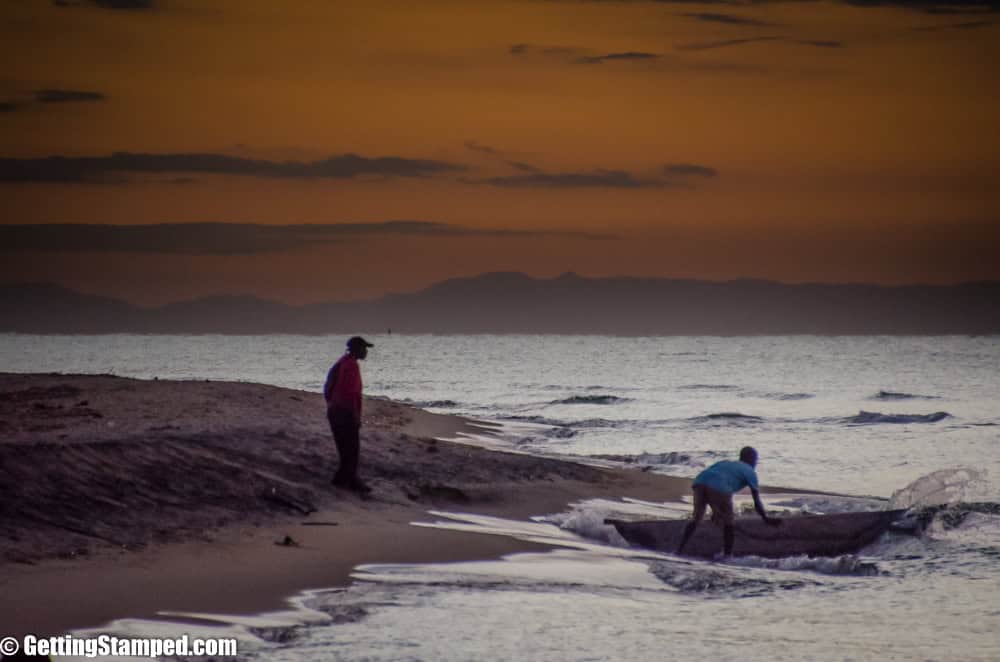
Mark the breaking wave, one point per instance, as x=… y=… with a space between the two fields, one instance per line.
x=590 y=400
x=726 y=418
x=427 y=404
x=722 y=581
x=941 y=487
x=872 y=417
x=672 y=457
x=787 y=396
x=849 y=564
x=708 y=387
x=891 y=395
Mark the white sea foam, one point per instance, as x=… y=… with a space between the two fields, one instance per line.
x=941 y=487
x=848 y=564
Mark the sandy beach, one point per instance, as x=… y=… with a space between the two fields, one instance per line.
x=124 y=497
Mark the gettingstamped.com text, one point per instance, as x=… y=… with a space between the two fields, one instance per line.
x=106 y=645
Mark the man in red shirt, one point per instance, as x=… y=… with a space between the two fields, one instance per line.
x=343 y=410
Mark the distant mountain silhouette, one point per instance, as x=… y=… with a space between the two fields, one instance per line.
x=516 y=303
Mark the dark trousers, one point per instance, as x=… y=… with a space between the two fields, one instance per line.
x=347 y=436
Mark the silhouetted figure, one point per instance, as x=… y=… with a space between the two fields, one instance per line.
x=715 y=487
x=343 y=409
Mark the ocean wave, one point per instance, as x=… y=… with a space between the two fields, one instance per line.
x=580 y=424
x=952 y=515
x=708 y=387
x=892 y=395
x=720 y=580
x=872 y=417
x=849 y=564
x=588 y=523
x=426 y=404
x=601 y=423
x=941 y=487
x=727 y=418
x=668 y=458
x=539 y=420
x=785 y=396
x=590 y=400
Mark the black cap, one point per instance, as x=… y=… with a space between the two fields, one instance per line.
x=358 y=341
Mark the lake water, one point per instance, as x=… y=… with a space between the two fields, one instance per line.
x=865 y=416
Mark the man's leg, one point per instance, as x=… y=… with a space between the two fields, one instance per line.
x=728 y=535
x=338 y=476
x=352 y=453
x=345 y=435
x=723 y=507
x=696 y=515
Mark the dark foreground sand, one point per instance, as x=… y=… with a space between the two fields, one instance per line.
x=123 y=497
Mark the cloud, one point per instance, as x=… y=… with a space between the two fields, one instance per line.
x=64 y=96
x=617 y=57
x=819 y=43
x=933 y=6
x=708 y=45
x=108 y=4
x=927 y=6
x=225 y=238
x=104 y=168
x=534 y=177
x=689 y=170
x=968 y=25
x=124 y=4
x=595 y=179
x=522 y=166
x=501 y=155
x=482 y=149
x=930 y=6
x=729 y=19
x=533 y=49
x=51 y=96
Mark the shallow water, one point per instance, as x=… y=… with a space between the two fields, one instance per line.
x=929 y=597
x=857 y=415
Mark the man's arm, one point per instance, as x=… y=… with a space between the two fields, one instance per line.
x=759 y=507
x=352 y=389
x=331 y=381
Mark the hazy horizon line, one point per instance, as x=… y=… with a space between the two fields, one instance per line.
x=236 y=295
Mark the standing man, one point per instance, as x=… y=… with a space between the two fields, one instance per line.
x=715 y=487
x=343 y=409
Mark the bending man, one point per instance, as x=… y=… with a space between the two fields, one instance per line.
x=715 y=487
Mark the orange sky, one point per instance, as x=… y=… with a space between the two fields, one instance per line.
x=794 y=141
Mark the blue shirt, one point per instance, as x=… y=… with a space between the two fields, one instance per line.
x=728 y=476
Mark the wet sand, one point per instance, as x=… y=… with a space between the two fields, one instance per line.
x=123 y=497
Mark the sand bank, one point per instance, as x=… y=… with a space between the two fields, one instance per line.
x=123 y=497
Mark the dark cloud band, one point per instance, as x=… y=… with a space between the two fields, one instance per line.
x=127 y=5
x=728 y=19
x=631 y=56
x=101 y=168
x=67 y=96
x=567 y=180
x=225 y=238
x=688 y=170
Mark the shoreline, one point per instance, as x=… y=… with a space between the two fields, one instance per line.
x=126 y=497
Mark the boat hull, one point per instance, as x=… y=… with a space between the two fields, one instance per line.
x=812 y=535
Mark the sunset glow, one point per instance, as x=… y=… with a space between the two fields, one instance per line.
x=793 y=141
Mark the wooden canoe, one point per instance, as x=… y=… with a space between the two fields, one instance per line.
x=812 y=535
